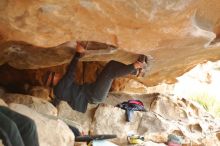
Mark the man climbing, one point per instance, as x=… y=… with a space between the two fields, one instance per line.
x=78 y=96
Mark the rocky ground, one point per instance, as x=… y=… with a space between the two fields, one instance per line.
x=165 y=115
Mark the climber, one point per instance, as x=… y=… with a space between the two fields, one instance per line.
x=17 y=129
x=78 y=96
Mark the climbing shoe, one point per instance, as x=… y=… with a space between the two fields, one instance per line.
x=143 y=59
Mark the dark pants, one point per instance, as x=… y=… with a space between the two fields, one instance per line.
x=4 y=137
x=17 y=129
x=100 y=88
x=67 y=89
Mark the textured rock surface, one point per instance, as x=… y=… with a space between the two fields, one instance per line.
x=84 y=119
x=150 y=143
x=41 y=92
x=51 y=132
x=2 y=103
x=177 y=34
x=37 y=104
x=166 y=115
x=114 y=122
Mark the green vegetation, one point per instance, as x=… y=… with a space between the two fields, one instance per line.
x=211 y=104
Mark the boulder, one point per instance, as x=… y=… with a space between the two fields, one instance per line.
x=150 y=143
x=84 y=119
x=177 y=35
x=112 y=120
x=51 y=132
x=166 y=115
x=130 y=86
x=38 y=104
x=2 y=102
x=39 y=91
x=154 y=127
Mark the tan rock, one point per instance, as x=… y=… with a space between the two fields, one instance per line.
x=116 y=98
x=43 y=106
x=155 y=128
x=150 y=143
x=2 y=102
x=163 y=118
x=40 y=92
x=51 y=132
x=84 y=119
x=169 y=108
x=112 y=120
x=40 y=105
x=131 y=86
x=18 y=98
x=126 y=85
x=177 y=34
x=211 y=140
x=207 y=141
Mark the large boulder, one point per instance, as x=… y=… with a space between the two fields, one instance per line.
x=51 y=132
x=112 y=120
x=40 y=92
x=150 y=143
x=177 y=35
x=2 y=102
x=38 y=104
x=84 y=119
x=166 y=115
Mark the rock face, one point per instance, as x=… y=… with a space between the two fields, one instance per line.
x=176 y=34
x=2 y=103
x=84 y=119
x=34 y=103
x=165 y=115
x=51 y=132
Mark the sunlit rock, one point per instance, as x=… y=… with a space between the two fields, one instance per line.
x=2 y=103
x=176 y=34
x=84 y=119
x=150 y=143
x=40 y=105
x=165 y=115
x=41 y=92
x=50 y=132
x=112 y=120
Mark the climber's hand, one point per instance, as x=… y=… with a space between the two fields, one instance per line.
x=80 y=48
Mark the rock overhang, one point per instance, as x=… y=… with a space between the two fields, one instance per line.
x=176 y=34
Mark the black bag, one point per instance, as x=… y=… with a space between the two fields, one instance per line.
x=130 y=106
